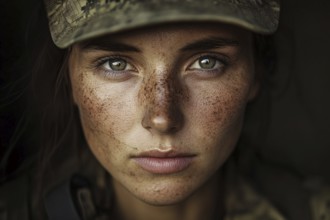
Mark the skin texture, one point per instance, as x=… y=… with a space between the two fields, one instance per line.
x=164 y=100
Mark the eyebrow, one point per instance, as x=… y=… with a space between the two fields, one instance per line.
x=210 y=43
x=203 y=44
x=107 y=45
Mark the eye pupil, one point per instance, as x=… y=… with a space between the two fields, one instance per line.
x=207 y=62
x=118 y=64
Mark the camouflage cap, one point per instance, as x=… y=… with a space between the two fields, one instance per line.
x=71 y=21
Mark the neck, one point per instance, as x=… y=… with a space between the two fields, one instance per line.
x=205 y=203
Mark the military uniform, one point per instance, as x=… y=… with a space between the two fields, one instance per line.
x=243 y=201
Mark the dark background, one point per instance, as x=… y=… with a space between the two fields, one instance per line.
x=299 y=135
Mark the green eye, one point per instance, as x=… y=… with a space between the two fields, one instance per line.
x=207 y=62
x=117 y=64
x=115 y=68
x=207 y=66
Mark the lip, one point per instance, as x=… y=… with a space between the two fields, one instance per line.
x=158 y=162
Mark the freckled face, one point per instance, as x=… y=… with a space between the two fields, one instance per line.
x=162 y=107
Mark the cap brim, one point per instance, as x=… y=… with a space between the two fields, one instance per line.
x=106 y=22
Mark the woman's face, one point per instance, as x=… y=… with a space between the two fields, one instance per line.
x=162 y=107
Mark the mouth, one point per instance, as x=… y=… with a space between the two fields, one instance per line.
x=158 y=162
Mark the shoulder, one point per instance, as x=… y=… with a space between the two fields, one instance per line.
x=273 y=193
x=302 y=198
x=244 y=202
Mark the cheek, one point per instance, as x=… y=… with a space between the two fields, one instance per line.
x=218 y=112
x=93 y=108
x=104 y=117
x=103 y=113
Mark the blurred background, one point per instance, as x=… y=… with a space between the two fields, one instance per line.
x=299 y=132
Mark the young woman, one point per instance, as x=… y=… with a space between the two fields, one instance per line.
x=143 y=106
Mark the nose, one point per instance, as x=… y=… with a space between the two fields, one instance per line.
x=162 y=113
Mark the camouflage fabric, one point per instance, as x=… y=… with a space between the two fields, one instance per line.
x=244 y=203
x=320 y=203
x=71 y=21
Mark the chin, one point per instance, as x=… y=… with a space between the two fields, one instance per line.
x=164 y=200
x=166 y=191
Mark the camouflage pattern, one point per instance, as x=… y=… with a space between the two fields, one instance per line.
x=71 y=21
x=244 y=203
x=242 y=200
x=320 y=203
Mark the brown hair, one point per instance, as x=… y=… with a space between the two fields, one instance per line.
x=49 y=99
